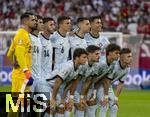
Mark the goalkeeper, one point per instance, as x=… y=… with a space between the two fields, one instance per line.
x=20 y=54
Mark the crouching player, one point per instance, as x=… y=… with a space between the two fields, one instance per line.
x=61 y=76
x=120 y=72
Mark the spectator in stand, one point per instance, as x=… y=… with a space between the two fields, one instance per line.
x=143 y=28
x=132 y=27
x=113 y=12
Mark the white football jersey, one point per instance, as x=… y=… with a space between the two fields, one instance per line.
x=76 y=42
x=46 y=59
x=36 y=56
x=118 y=73
x=60 y=48
x=103 y=70
x=66 y=71
x=100 y=41
x=87 y=71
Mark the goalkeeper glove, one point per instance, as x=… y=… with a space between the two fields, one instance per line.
x=28 y=80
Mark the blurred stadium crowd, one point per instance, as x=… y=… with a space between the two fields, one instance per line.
x=127 y=16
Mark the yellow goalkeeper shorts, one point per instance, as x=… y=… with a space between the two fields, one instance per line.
x=17 y=85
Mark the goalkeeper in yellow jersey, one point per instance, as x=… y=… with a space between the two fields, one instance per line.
x=20 y=54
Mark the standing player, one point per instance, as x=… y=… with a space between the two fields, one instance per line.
x=63 y=75
x=60 y=41
x=36 y=53
x=120 y=72
x=20 y=53
x=36 y=49
x=47 y=49
x=78 y=40
x=95 y=38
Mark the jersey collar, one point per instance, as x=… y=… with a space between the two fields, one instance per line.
x=94 y=36
x=45 y=37
x=61 y=34
x=79 y=36
x=121 y=65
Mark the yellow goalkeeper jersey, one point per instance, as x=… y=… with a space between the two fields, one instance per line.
x=20 y=53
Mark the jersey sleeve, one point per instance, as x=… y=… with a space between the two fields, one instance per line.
x=101 y=67
x=110 y=76
x=63 y=71
x=53 y=40
x=10 y=53
x=20 y=42
x=111 y=72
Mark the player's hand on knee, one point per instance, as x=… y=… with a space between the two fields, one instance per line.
x=104 y=102
x=69 y=106
x=71 y=99
x=116 y=102
x=60 y=108
x=52 y=103
x=91 y=102
x=50 y=110
x=83 y=103
x=83 y=100
x=70 y=103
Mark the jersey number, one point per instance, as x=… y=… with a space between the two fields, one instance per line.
x=46 y=53
x=29 y=50
x=35 y=49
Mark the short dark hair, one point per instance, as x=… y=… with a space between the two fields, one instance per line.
x=94 y=17
x=112 y=47
x=46 y=19
x=62 y=18
x=38 y=16
x=92 y=48
x=81 y=19
x=78 y=52
x=125 y=51
x=25 y=15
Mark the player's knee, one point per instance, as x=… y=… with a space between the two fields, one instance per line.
x=60 y=110
x=80 y=107
x=114 y=108
x=91 y=103
x=68 y=108
x=50 y=110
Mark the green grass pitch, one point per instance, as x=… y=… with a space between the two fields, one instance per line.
x=132 y=103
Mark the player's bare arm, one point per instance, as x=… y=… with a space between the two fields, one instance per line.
x=74 y=85
x=86 y=86
x=57 y=85
x=106 y=84
x=119 y=89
